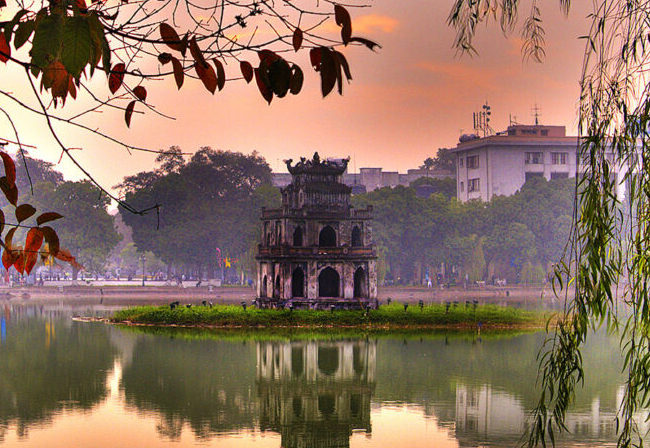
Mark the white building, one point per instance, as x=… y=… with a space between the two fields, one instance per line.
x=501 y=164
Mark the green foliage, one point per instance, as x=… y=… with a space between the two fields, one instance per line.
x=445 y=187
x=212 y=200
x=529 y=226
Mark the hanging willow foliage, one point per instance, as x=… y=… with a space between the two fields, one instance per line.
x=607 y=261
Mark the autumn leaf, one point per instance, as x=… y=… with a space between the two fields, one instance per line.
x=2 y=221
x=5 y=51
x=207 y=75
x=342 y=17
x=24 y=211
x=221 y=74
x=56 y=78
x=297 y=39
x=10 y=191
x=19 y=260
x=52 y=239
x=368 y=43
x=140 y=93
x=10 y=168
x=297 y=79
x=116 y=77
x=8 y=258
x=171 y=37
x=344 y=64
x=279 y=77
x=328 y=71
x=246 y=70
x=65 y=255
x=128 y=113
x=164 y=58
x=179 y=74
x=47 y=217
x=196 y=53
x=33 y=243
x=315 y=58
x=266 y=92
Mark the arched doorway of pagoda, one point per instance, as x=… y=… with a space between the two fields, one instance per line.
x=328 y=283
x=360 y=283
x=298 y=283
x=327 y=237
x=276 y=289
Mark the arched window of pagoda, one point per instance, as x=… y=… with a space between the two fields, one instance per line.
x=263 y=287
x=327 y=237
x=356 y=237
x=298 y=283
x=297 y=237
x=276 y=289
x=329 y=283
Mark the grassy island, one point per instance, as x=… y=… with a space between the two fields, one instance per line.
x=393 y=316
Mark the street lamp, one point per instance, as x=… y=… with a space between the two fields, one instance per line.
x=143 y=258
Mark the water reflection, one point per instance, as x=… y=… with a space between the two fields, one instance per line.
x=201 y=389
x=315 y=393
x=48 y=365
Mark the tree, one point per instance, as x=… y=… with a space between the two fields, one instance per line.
x=88 y=229
x=211 y=201
x=609 y=239
x=62 y=44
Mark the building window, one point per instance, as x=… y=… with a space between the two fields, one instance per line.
x=462 y=187
x=559 y=158
x=534 y=158
x=472 y=162
x=460 y=162
x=544 y=132
x=473 y=185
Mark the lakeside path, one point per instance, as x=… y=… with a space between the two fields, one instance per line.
x=122 y=295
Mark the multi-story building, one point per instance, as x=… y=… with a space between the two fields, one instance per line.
x=501 y=164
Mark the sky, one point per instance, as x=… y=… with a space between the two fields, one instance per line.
x=414 y=95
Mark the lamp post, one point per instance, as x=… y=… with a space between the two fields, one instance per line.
x=143 y=258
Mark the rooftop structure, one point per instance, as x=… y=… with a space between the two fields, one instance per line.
x=501 y=164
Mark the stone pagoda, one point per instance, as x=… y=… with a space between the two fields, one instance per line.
x=316 y=250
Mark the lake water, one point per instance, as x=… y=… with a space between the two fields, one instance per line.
x=72 y=384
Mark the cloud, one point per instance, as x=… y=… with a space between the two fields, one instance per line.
x=368 y=24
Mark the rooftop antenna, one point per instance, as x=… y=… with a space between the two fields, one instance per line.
x=482 y=120
x=536 y=114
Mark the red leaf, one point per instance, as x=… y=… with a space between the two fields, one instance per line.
x=8 y=259
x=47 y=217
x=19 y=262
x=196 y=53
x=128 y=113
x=33 y=243
x=81 y=4
x=297 y=39
x=24 y=211
x=2 y=222
x=52 y=240
x=328 y=71
x=140 y=93
x=246 y=70
x=315 y=58
x=266 y=92
x=164 y=58
x=72 y=89
x=5 y=51
x=171 y=37
x=66 y=256
x=10 y=191
x=221 y=74
x=342 y=17
x=207 y=75
x=368 y=43
x=179 y=74
x=297 y=79
x=267 y=55
x=344 y=64
x=116 y=77
x=10 y=168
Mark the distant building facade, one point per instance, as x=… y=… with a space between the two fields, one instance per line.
x=369 y=179
x=501 y=164
x=316 y=249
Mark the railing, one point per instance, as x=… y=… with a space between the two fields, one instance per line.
x=277 y=213
x=315 y=251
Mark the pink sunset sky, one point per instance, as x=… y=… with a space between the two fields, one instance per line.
x=409 y=98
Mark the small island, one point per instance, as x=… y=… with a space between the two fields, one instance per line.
x=450 y=315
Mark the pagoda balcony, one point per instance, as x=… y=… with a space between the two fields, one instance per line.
x=352 y=213
x=315 y=251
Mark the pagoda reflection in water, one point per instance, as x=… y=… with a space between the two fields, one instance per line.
x=316 y=393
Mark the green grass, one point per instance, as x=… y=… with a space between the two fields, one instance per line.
x=431 y=316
